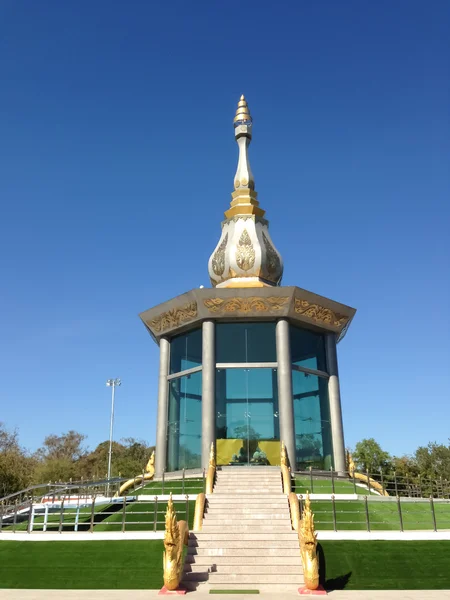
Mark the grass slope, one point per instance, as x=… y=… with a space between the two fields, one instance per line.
x=138 y=565
x=81 y=565
x=385 y=565
x=383 y=515
x=140 y=516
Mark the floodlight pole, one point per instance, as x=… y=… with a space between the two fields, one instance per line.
x=111 y=383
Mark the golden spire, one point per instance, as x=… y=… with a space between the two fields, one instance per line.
x=243 y=112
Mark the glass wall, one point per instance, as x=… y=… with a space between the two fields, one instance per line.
x=247 y=422
x=184 y=423
x=307 y=349
x=245 y=342
x=313 y=440
x=186 y=351
x=184 y=427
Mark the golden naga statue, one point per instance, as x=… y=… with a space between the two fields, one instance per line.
x=176 y=535
x=308 y=547
x=351 y=468
x=285 y=474
x=211 y=471
x=149 y=474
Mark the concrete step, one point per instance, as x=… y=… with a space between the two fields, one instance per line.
x=237 y=528
x=249 y=477
x=252 y=545
x=197 y=576
x=249 y=510
x=249 y=490
x=266 y=588
x=232 y=504
x=249 y=569
x=263 y=551
x=245 y=498
x=238 y=559
x=210 y=536
x=255 y=516
x=254 y=579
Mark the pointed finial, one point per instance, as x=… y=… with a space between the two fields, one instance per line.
x=243 y=112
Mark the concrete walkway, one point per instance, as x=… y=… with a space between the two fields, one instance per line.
x=153 y=595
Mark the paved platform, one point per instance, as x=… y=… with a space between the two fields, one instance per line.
x=153 y=594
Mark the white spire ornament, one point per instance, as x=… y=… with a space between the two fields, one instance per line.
x=245 y=255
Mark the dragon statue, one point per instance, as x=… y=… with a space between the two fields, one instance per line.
x=308 y=547
x=147 y=475
x=351 y=468
x=285 y=474
x=211 y=471
x=176 y=535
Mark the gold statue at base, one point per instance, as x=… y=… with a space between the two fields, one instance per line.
x=285 y=473
x=308 y=547
x=211 y=471
x=176 y=535
x=146 y=476
x=351 y=468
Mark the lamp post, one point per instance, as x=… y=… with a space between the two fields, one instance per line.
x=112 y=383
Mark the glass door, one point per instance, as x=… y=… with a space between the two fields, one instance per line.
x=247 y=416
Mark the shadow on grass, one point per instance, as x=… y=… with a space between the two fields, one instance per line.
x=338 y=583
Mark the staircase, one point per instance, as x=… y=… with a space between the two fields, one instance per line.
x=246 y=541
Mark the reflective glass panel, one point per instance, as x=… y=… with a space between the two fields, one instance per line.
x=245 y=342
x=184 y=427
x=247 y=422
x=313 y=441
x=307 y=349
x=186 y=351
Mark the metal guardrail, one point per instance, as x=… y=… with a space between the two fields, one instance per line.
x=381 y=513
x=86 y=518
x=330 y=482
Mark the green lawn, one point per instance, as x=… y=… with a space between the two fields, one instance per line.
x=138 y=565
x=82 y=565
x=320 y=485
x=351 y=515
x=144 y=512
x=191 y=486
x=385 y=565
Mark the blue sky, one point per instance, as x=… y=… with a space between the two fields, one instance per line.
x=117 y=160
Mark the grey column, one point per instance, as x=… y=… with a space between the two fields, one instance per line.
x=285 y=402
x=208 y=390
x=334 y=395
x=163 y=402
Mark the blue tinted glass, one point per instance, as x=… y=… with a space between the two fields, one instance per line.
x=247 y=422
x=313 y=439
x=186 y=351
x=245 y=342
x=307 y=349
x=184 y=429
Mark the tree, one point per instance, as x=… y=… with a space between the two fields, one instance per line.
x=433 y=461
x=369 y=456
x=60 y=457
x=16 y=466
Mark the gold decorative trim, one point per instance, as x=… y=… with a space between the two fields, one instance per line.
x=218 y=260
x=174 y=317
x=199 y=511
x=245 y=253
x=273 y=265
x=319 y=313
x=245 y=305
x=294 y=509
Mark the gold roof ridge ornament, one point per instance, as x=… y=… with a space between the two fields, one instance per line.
x=245 y=255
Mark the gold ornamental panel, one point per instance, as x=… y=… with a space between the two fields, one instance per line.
x=174 y=317
x=245 y=305
x=320 y=314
